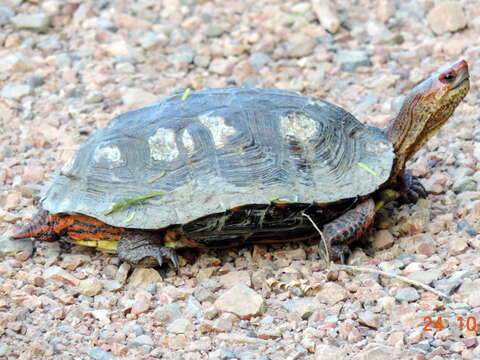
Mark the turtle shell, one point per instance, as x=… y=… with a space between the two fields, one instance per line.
x=216 y=150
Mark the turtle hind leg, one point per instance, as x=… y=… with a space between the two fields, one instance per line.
x=145 y=248
x=347 y=228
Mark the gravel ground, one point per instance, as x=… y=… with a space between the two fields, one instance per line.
x=67 y=67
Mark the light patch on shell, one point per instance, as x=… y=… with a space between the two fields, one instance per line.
x=109 y=154
x=67 y=168
x=219 y=130
x=299 y=126
x=162 y=145
x=378 y=147
x=188 y=142
x=317 y=102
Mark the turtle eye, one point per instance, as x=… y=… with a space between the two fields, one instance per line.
x=448 y=76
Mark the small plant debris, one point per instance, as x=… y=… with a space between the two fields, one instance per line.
x=367 y=169
x=186 y=93
x=126 y=203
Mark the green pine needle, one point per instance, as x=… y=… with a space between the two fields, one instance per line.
x=185 y=94
x=130 y=218
x=126 y=203
x=367 y=169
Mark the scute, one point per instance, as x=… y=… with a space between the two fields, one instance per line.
x=251 y=157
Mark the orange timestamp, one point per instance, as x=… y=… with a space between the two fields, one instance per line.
x=464 y=322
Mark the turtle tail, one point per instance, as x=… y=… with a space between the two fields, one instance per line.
x=42 y=227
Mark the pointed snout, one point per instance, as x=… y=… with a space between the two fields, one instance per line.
x=461 y=68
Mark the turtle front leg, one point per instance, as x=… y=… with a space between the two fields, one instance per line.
x=345 y=229
x=145 y=248
x=411 y=189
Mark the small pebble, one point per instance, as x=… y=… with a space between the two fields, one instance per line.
x=407 y=294
x=35 y=22
x=15 y=91
x=350 y=60
x=100 y=354
x=446 y=16
x=90 y=287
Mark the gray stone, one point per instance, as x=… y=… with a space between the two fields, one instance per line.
x=63 y=60
x=300 y=45
x=5 y=15
x=202 y=294
x=332 y=293
x=350 y=60
x=464 y=225
x=329 y=352
x=426 y=277
x=407 y=294
x=182 y=56
x=142 y=340
x=56 y=273
x=136 y=97
x=35 y=81
x=194 y=307
x=50 y=43
x=423 y=346
x=100 y=354
x=374 y=352
x=15 y=62
x=36 y=22
x=95 y=97
x=179 y=326
x=250 y=82
x=464 y=183
x=227 y=354
x=201 y=61
x=211 y=284
x=125 y=67
x=303 y=306
x=258 y=60
x=447 y=286
x=111 y=285
x=326 y=15
x=383 y=239
x=15 y=91
x=251 y=304
x=167 y=313
x=13 y=3
x=149 y=40
x=214 y=31
x=234 y=278
x=135 y=328
x=446 y=16
x=221 y=66
x=151 y=288
x=10 y=247
x=366 y=103
x=4 y=350
x=369 y=319
x=90 y=287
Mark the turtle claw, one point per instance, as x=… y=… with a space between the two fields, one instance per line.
x=411 y=188
x=340 y=253
x=171 y=254
x=165 y=252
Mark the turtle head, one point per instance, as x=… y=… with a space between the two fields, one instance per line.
x=425 y=109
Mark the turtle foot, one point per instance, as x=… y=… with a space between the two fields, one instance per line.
x=411 y=189
x=145 y=249
x=340 y=253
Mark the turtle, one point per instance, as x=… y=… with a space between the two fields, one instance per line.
x=224 y=167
